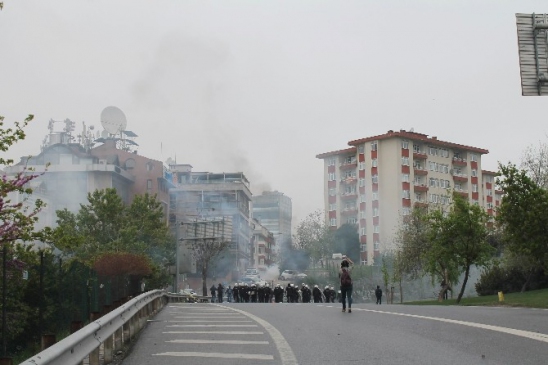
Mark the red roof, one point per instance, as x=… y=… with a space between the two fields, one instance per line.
x=418 y=137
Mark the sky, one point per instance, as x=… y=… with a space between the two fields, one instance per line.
x=262 y=87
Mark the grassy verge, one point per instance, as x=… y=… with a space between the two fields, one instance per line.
x=530 y=299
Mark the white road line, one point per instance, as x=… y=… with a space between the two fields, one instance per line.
x=210 y=320
x=286 y=353
x=218 y=355
x=527 y=334
x=213 y=325
x=211 y=316
x=222 y=342
x=218 y=332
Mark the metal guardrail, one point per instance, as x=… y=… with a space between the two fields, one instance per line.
x=109 y=332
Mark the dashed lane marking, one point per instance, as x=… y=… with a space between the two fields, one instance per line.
x=212 y=325
x=218 y=332
x=221 y=342
x=217 y=355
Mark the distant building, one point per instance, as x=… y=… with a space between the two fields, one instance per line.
x=204 y=194
x=378 y=179
x=76 y=169
x=273 y=210
x=262 y=248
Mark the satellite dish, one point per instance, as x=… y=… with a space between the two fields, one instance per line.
x=113 y=120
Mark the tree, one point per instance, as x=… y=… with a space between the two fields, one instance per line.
x=315 y=237
x=535 y=163
x=463 y=234
x=523 y=219
x=347 y=241
x=107 y=230
x=207 y=239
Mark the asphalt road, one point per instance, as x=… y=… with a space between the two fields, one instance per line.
x=255 y=333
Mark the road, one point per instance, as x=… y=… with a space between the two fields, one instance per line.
x=287 y=334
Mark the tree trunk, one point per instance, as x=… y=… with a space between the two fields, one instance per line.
x=401 y=293
x=204 y=280
x=463 y=283
x=524 y=287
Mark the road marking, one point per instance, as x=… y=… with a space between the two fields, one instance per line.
x=287 y=356
x=218 y=332
x=213 y=325
x=527 y=334
x=210 y=320
x=212 y=316
x=222 y=342
x=218 y=355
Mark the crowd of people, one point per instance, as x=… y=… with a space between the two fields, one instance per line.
x=264 y=293
x=253 y=293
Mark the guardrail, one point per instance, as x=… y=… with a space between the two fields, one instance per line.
x=109 y=333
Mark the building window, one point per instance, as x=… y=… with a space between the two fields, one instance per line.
x=375 y=195
x=362 y=214
x=405 y=144
x=418 y=197
x=375 y=179
x=405 y=177
x=474 y=157
x=331 y=162
x=352 y=220
x=360 y=148
x=444 y=168
x=374 y=146
x=332 y=207
x=417 y=148
x=474 y=172
x=331 y=176
x=458 y=187
x=376 y=229
x=332 y=192
x=363 y=247
x=405 y=161
x=150 y=166
x=363 y=231
x=433 y=151
x=362 y=182
x=333 y=222
x=434 y=198
x=362 y=166
x=406 y=211
x=375 y=212
x=374 y=162
x=149 y=184
x=406 y=194
x=376 y=246
x=434 y=182
x=474 y=188
x=417 y=165
x=489 y=192
x=444 y=152
x=362 y=198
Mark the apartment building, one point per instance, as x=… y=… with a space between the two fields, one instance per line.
x=378 y=179
x=262 y=248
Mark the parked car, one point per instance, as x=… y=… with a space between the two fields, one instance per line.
x=288 y=274
x=247 y=280
x=301 y=275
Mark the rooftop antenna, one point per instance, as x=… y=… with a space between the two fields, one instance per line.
x=113 y=120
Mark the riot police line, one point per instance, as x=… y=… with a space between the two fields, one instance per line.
x=257 y=293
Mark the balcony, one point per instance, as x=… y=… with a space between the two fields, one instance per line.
x=457 y=161
x=348 y=165
x=462 y=193
x=420 y=170
x=420 y=187
x=349 y=211
x=349 y=196
x=349 y=180
x=421 y=203
x=460 y=177
x=419 y=155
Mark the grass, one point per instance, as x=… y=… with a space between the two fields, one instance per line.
x=529 y=299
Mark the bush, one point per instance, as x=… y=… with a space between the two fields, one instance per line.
x=508 y=280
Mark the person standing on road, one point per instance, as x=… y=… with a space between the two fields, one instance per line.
x=378 y=294
x=220 y=290
x=213 y=290
x=317 y=294
x=346 y=283
x=229 y=294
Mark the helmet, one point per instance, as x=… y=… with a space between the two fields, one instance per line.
x=331 y=287
x=315 y=286
x=326 y=287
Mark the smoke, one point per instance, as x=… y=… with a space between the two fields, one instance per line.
x=272 y=273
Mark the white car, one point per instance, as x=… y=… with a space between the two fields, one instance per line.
x=288 y=274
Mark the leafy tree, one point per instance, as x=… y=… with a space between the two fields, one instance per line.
x=523 y=219
x=535 y=163
x=347 y=241
x=315 y=237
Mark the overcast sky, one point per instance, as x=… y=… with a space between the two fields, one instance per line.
x=264 y=86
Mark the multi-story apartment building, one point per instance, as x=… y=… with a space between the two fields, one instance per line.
x=273 y=210
x=72 y=170
x=204 y=194
x=263 y=246
x=377 y=180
